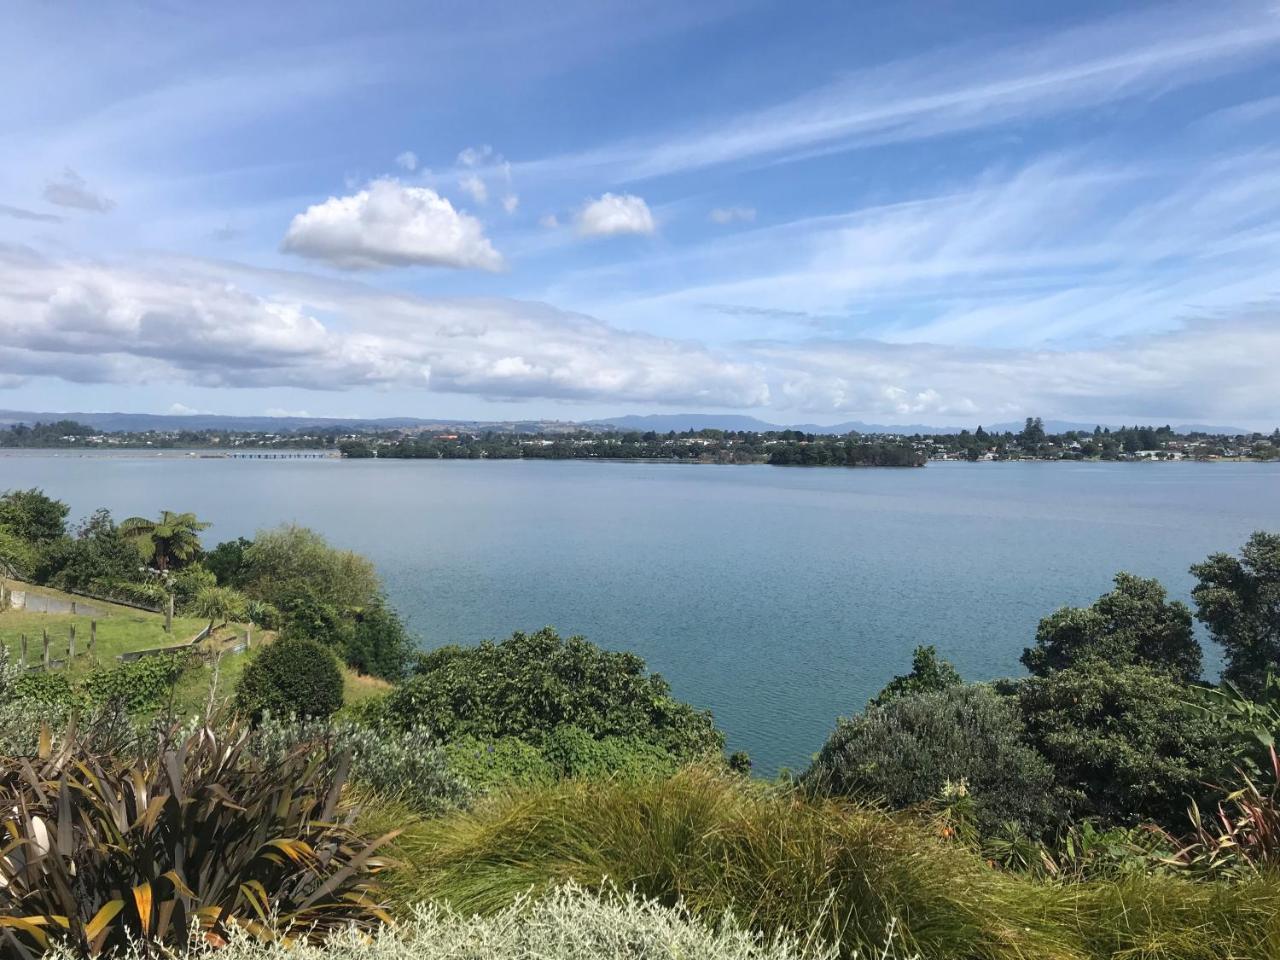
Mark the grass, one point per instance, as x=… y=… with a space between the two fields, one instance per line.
x=783 y=864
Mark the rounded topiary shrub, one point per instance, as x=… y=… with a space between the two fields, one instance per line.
x=291 y=678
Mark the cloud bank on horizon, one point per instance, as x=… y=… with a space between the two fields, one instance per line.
x=583 y=209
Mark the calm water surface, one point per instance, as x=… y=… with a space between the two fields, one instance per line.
x=778 y=597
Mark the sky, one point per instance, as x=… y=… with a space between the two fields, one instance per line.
x=948 y=212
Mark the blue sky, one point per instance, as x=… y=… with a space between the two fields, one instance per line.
x=935 y=212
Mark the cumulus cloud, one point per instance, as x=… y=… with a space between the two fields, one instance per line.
x=196 y=323
x=407 y=161
x=209 y=324
x=615 y=213
x=725 y=215
x=476 y=156
x=510 y=203
x=389 y=224
x=71 y=190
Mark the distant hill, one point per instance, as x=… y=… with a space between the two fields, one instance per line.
x=657 y=422
x=142 y=422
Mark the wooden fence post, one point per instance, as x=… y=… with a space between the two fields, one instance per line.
x=71 y=644
x=73 y=608
x=168 y=616
x=93 y=637
x=22 y=657
x=44 y=656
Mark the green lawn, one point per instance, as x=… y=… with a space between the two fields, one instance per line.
x=120 y=630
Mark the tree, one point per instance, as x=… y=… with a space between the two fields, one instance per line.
x=1121 y=740
x=929 y=674
x=97 y=558
x=1133 y=624
x=908 y=750
x=291 y=678
x=167 y=543
x=288 y=561
x=1238 y=599
x=227 y=562
x=32 y=516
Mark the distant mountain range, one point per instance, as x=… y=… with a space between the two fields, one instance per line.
x=662 y=423
x=657 y=422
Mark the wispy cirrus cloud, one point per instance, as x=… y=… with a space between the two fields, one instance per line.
x=953 y=90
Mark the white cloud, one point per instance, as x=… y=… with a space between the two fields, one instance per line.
x=194 y=322
x=407 y=161
x=207 y=324
x=614 y=214
x=182 y=410
x=71 y=190
x=476 y=156
x=510 y=203
x=391 y=225
x=475 y=188
x=724 y=215
x=282 y=412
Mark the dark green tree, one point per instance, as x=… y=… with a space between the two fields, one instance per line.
x=32 y=516
x=1238 y=599
x=929 y=674
x=1122 y=742
x=167 y=543
x=1133 y=624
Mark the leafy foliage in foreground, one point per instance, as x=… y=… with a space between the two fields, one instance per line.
x=533 y=683
x=568 y=923
x=102 y=852
x=1238 y=599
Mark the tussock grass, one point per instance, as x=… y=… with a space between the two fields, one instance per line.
x=782 y=864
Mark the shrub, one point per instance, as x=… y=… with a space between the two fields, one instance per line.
x=498 y=764
x=291 y=678
x=139 y=685
x=409 y=767
x=572 y=752
x=220 y=604
x=908 y=750
x=1134 y=624
x=1122 y=741
x=103 y=853
x=488 y=692
x=378 y=643
x=568 y=923
x=290 y=560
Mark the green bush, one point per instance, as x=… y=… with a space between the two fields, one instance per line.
x=572 y=752
x=103 y=853
x=910 y=749
x=138 y=685
x=568 y=923
x=291 y=678
x=530 y=684
x=498 y=764
x=1123 y=742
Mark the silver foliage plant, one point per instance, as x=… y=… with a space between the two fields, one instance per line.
x=409 y=766
x=568 y=923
